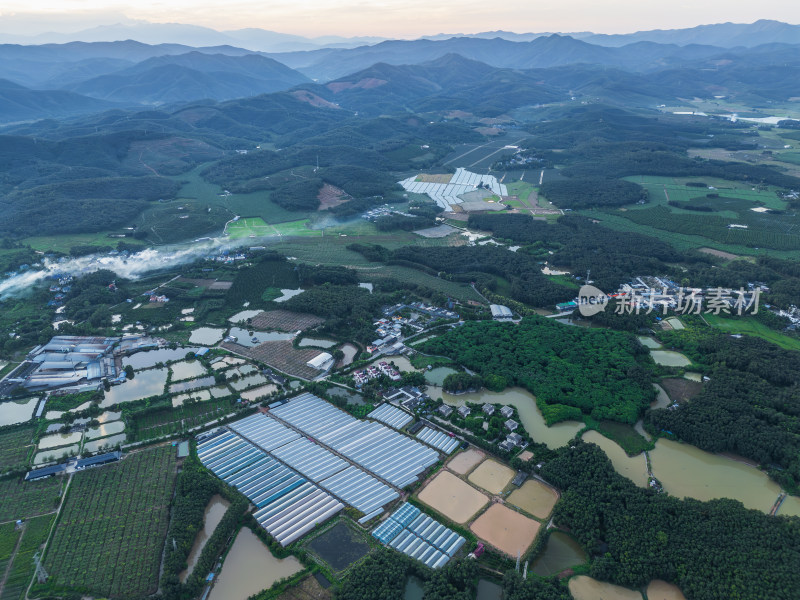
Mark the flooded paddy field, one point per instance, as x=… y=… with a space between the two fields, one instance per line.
x=535 y=498
x=59 y=439
x=491 y=476
x=206 y=336
x=506 y=529
x=259 y=392
x=455 y=499
x=200 y=395
x=463 y=462
x=17 y=411
x=105 y=430
x=145 y=384
x=55 y=454
x=669 y=358
x=191 y=384
x=316 y=343
x=109 y=442
x=187 y=370
x=150 y=358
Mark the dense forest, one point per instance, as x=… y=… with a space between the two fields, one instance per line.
x=580 y=245
x=571 y=370
x=384 y=574
x=479 y=264
x=592 y=192
x=710 y=550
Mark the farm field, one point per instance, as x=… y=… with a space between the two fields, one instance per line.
x=460 y=291
x=174 y=420
x=110 y=534
x=255 y=204
x=535 y=498
x=749 y=326
x=21 y=569
x=452 y=497
x=281 y=355
x=681 y=241
x=340 y=546
x=23 y=499
x=724 y=206
x=285 y=320
x=15 y=447
x=257 y=228
x=505 y=529
x=9 y=535
x=463 y=462
x=62 y=243
x=491 y=476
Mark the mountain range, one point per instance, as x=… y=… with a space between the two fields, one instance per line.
x=724 y=35
x=485 y=75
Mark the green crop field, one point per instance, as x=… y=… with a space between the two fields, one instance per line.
x=23 y=499
x=63 y=243
x=749 y=326
x=174 y=420
x=459 y=291
x=255 y=204
x=21 y=571
x=15 y=448
x=775 y=233
x=9 y=535
x=110 y=534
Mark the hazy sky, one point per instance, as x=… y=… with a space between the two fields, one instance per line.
x=400 y=18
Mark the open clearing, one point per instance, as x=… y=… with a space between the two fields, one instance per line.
x=535 y=498
x=492 y=476
x=452 y=497
x=749 y=326
x=586 y=588
x=506 y=529
x=463 y=462
x=719 y=253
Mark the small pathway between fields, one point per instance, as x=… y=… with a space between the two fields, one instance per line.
x=11 y=560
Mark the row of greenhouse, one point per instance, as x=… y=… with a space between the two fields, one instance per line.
x=349 y=483
x=388 y=454
x=438 y=439
x=414 y=533
x=391 y=416
x=289 y=506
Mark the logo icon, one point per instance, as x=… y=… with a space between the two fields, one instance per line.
x=591 y=300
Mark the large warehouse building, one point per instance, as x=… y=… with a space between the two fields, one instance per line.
x=68 y=362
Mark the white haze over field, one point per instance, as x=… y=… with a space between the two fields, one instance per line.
x=131 y=266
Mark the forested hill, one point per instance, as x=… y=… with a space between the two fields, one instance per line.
x=571 y=370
